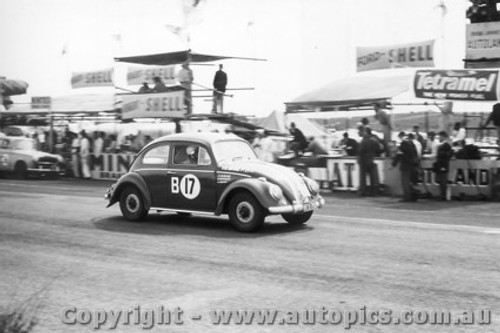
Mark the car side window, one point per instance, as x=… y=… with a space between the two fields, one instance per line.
x=157 y=155
x=191 y=154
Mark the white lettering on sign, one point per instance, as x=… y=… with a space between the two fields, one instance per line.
x=189 y=186
x=429 y=81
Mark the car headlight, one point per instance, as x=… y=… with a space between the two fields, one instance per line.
x=312 y=185
x=275 y=192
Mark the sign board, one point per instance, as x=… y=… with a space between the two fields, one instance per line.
x=139 y=74
x=41 y=102
x=470 y=85
x=102 y=78
x=419 y=54
x=158 y=105
x=482 y=40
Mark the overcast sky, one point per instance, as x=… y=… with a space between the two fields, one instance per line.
x=307 y=43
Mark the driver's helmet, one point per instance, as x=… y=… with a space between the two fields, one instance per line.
x=190 y=150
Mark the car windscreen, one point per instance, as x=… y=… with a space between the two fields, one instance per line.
x=233 y=151
x=24 y=144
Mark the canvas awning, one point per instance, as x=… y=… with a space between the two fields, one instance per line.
x=10 y=87
x=178 y=57
x=364 y=88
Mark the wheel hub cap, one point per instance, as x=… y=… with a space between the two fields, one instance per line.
x=245 y=212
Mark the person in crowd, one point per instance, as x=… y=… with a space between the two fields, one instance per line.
x=431 y=145
x=407 y=158
x=365 y=122
x=37 y=141
x=98 y=145
x=494 y=117
x=349 y=145
x=385 y=122
x=111 y=147
x=159 y=86
x=219 y=84
x=459 y=134
x=263 y=146
x=469 y=151
x=418 y=145
x=85 y=154
x=75 y=154
x=419 y=137
x=42 y=139
x=186 y=78
x=316 y=147
x=147 y=139
x=144 y=89
x=447 y=116
x=442 y=164
x=299 y=142
x=367 y=151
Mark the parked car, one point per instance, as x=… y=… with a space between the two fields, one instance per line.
x=214 y=173
x=18 y=155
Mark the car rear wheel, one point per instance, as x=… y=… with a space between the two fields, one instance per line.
x=21 y=170
x=245 y=212
x=132 y=204
x=296 y=219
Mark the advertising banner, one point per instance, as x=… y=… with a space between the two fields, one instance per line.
x=158 y=105
x=482 y=40
x=419 y=54
x=100 y=78
x=136 y=75
x=469 y=85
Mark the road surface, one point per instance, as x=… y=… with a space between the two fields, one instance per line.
x=60 y=244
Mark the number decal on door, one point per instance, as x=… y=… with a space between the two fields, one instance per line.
x=189 y=186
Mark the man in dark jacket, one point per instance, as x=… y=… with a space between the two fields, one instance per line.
x=367 y=150
x=299 y=142
x=220 y=83
x=442 y=165
x=494 y=117
x=407 y=158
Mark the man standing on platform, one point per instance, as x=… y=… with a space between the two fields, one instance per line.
x=385 y=121
x=186 y=79
x=220 y=83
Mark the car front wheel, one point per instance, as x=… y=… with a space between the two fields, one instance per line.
x=132 y=204
x=245 y=212
x=297 y=219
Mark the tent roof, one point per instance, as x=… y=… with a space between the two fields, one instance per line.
x=172 y=58
x=359 y=89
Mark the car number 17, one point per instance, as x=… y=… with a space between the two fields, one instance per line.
x=188 y=186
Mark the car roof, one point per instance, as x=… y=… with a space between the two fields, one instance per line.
x=207 y=138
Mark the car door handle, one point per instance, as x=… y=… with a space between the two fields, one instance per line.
x=169 y=172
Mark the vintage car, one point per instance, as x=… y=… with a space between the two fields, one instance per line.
x=18 y=155
x=216 y=174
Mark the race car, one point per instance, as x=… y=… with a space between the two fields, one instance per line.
x=213 y=173
x=18 y=155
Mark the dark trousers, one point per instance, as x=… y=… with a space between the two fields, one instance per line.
x=442 y=180
x=407 y=178
x=368 y=169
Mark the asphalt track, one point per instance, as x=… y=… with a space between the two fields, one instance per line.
x=57 y=236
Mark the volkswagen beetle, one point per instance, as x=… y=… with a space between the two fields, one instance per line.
x=213 y=173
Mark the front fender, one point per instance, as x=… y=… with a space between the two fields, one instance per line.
x=258 y=187
x=136 y=180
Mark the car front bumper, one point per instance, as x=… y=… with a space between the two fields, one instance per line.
x=297 y=208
